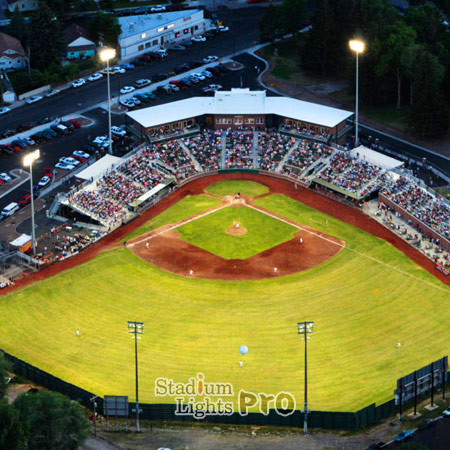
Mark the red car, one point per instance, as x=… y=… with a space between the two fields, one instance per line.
x=25 y=200
x=48 y=172
x=79 y=158
x=75 y=122
x=16 y=148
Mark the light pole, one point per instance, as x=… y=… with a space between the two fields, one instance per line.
x=358 y=47
x=136 y=328
x=106 y=55
x=28 y=160
x=305 y=328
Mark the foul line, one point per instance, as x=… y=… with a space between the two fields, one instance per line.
x=351 y=249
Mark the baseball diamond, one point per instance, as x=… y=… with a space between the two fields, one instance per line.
x=365 y=288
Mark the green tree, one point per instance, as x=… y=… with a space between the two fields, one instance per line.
x=428 y=115
x=22 y=31
x=293 y=15
x=269 y=23
x=48 y=45
x=390 y=50
x=12 y=435
x=427 y=22
x=52 y=421
x=5 y=367
x=105 y=28
x=413 y=446
x=410 y=59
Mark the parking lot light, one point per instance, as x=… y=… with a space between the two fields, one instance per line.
x=28 y=161
x=106 y=55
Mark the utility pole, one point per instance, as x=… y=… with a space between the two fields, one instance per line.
x=136 y=328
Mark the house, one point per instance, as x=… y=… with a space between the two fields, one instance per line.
x=22 y=5
x=12 y=55
x=79 y=44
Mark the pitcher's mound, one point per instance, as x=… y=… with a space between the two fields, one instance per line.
x=236 y=230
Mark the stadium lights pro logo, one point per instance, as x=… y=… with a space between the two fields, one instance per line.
x=200 y=398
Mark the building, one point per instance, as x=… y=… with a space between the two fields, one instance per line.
x=144 y=33
x=79 y=44
x=242 y=109
x=22 y=5
x=12 y=55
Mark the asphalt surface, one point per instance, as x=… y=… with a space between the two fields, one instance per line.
x=243 y=24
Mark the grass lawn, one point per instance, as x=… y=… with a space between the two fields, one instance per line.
x=263 y=232
x=363 y=301
x=187 y=207
x=231 y=187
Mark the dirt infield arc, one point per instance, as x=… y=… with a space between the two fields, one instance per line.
x=310 y=198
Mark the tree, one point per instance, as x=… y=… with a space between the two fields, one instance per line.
x=293 y=15
x=52 y=421
x=268 y=24
x=105 y=28
x=48 y=45
x=21 y=30
x=390 y=51
x=12 y=435
x=5 y=367
x=427 y=22
x=409 y=59
x=429 y=115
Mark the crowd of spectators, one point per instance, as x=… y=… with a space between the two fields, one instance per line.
x=305 y=131
x=429 y=209
x=139 y=169
x=171 y=153
x=272 y=148
x=205 y=147
x=239 y=149
x=165 y=131
x=352 y=174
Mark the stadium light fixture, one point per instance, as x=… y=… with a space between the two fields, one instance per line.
x=106 y=55
x=136 y=328
x=28 y=161
x=358 y=47
x=305 y=328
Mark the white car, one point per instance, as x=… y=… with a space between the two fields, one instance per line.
x=4 y=110
x=29 y=141
x=157 y=8
x=101 y=141
x=81 y=154
x=118 y=69
x=69 y=160
x=212 y=88
x=127 y=89
x=52 y=93
x=206 y=73
x=78 y=83
x=199 y=76
x=5 y=177
x=64 y=166
x=223 y=29
x=446 y=412
x=198 y=39
x=127 y=103
x=118 y=131
x=33 y=99
x=44 y=181
x=95 y=77
x=210 y=59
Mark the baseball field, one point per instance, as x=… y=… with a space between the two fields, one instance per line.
x=364 y=298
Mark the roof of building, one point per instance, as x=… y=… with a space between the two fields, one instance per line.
x=133 y=25
x=8 y=42
x=240 y=101
x=100 y=167
x=75 y=31
x=373 y=157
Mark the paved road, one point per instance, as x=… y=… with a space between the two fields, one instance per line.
x=243 y=33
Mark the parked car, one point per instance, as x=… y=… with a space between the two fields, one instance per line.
x=192 y=79
x=157 y=8
x=128 y=103
x=142 y=83
x=78 y=83
x=180 y=68
x=67 y=124
x=177 y=48
x=29 y=140
x=118 y=131
x=199 y=38
x=159 y=77
x=214 y=70
x=446 y=412
x=404 y=435
x=209 y=35
x=127 y=89
x=118 y=69
x=127 y=66
x=426 y=424
x=76 y=123
x=69 y=160
x=65 y=166
x=206 y=73
x=48 y=172
x=5 y=177
x=60 y=129
x=24 y=127
x=44 y=181
x=376 y=446
x=199 y=76
x=52 y=93
x=222 y=29
x=33 y=99
x=24 y=200
x=212 y=88
x=223 y=68
x=95 y=77
x=45 y=120
x=4 y=110
x=51 y=133
x=88 y=148
x=210 y=59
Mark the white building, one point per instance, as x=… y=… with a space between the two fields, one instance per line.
x=12 y=55
x=144 y=33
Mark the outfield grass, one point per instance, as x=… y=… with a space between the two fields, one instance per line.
x=263 y=232
x=187 y=207
x=363 y=301
x=232 y=187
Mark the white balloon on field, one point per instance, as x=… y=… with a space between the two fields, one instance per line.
x=243 y=349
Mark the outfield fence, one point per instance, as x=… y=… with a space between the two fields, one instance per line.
x=331 y=420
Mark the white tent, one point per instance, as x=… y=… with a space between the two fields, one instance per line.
x=373 y=157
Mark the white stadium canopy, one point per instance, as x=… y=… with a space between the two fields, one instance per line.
x=99 y=168
x=373 y=157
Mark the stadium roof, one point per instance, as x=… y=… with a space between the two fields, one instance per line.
x=240 y=101
x=373 y=157
x=100 y=167
x=132 y=25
